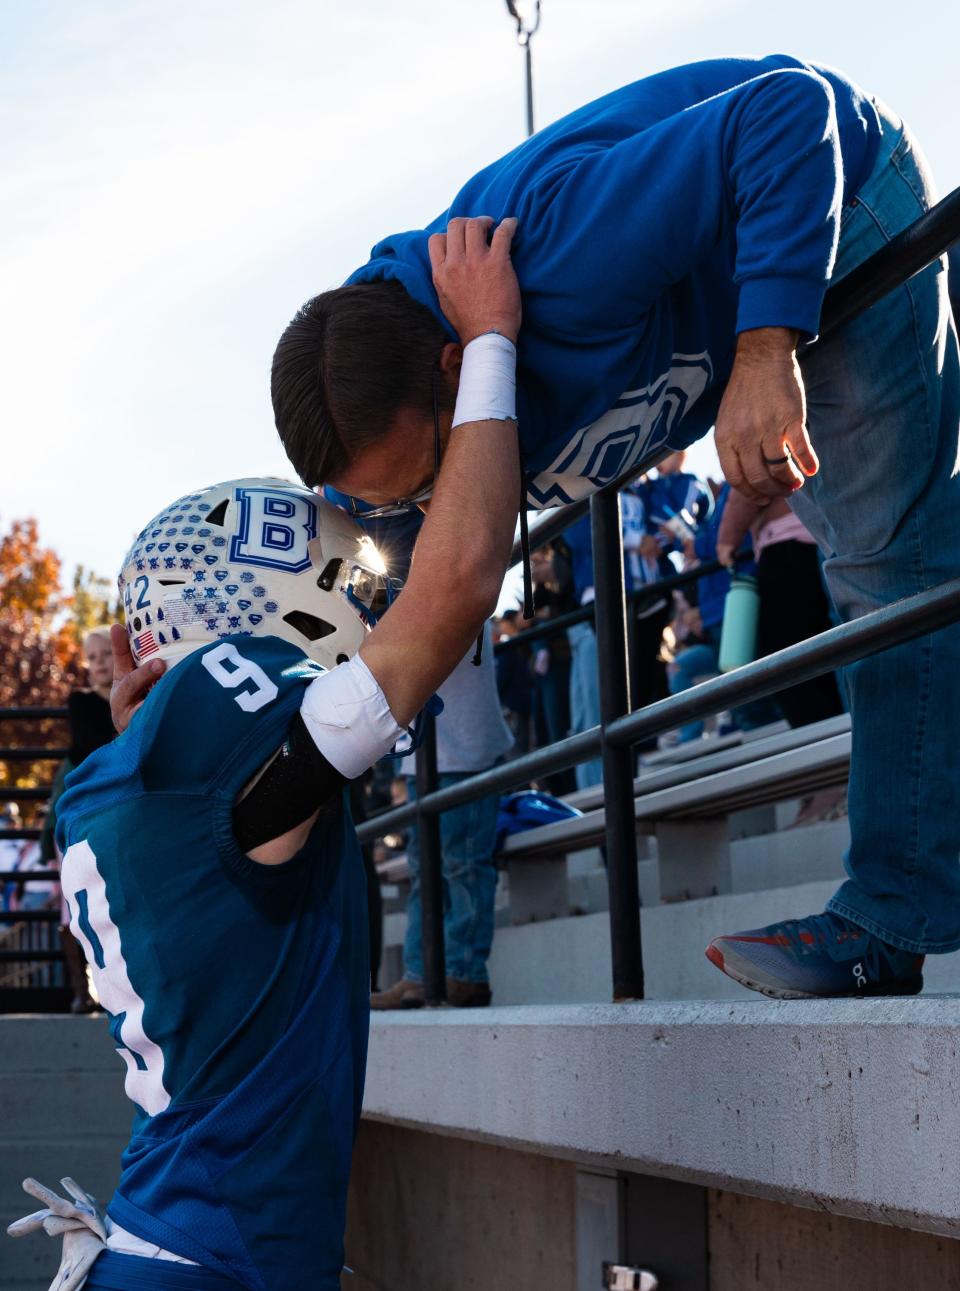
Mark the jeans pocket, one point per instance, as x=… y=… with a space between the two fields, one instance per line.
x=913 y=169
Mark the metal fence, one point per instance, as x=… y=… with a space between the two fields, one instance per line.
x=32 y=976
x=906 y=255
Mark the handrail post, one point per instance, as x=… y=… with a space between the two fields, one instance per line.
x=620 y=827
x=431 y=870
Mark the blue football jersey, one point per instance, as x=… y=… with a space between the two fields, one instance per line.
x=237 y=992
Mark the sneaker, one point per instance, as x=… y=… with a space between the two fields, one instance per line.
x=402 y=995
x=468 y=995
x=823 y=955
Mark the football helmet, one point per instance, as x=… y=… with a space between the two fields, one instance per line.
x=251 y=557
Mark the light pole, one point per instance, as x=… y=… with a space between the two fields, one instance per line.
x=526 y=14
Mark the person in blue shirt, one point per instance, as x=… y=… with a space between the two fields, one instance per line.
x=215 y=883
x=673 y=492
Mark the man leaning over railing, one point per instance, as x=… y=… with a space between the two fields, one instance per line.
x=675 y=240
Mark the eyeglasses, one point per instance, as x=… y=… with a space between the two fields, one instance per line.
x=402 y=505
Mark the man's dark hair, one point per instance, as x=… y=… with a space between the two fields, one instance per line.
x=349 y=361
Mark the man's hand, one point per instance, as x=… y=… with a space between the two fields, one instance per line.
x=130 y=684
x=761 y=438
x=725 y=554
x=474 y=278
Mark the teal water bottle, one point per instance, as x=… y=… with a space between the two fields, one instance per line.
x=738 y=637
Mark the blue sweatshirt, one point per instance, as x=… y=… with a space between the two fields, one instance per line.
x=654 y=225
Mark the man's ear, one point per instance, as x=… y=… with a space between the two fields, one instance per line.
x=451 y=359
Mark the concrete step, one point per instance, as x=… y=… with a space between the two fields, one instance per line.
x=848 y=1106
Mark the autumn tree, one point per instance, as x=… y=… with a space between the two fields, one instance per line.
x=41 y=631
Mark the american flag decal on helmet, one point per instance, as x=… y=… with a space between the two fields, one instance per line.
x=144 y=644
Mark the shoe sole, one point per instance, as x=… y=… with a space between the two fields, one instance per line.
x=913 y=986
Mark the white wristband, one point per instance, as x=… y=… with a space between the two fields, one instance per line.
x=488 y=381
x=348 y=718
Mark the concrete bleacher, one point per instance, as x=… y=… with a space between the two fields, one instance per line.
x=716 y=854
x=711 y=822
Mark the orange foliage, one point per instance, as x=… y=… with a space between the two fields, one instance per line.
x=39 y=657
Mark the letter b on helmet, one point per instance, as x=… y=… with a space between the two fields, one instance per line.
x=275 y=529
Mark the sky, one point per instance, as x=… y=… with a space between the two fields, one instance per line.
x=176 y=178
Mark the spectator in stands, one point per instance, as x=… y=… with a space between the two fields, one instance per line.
x=670 y=492
x=553 y=595
x=515 y=683
x=89 y=709
x=91 y=726
x=694 y=658
x=793 y=600
x=665 y=508
x=584 y=676
x=10 y=850
x=678 y=237
x=471 y=736
x=42 y=893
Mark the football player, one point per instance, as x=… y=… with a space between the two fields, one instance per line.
x=216 y=886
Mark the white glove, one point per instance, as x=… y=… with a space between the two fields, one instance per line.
x=81 y=1223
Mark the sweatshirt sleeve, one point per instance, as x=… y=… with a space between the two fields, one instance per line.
x=604 y=237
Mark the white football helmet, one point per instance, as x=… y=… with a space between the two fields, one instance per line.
x=251 y=557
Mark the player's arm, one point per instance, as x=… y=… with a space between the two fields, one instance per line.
x=275 y=812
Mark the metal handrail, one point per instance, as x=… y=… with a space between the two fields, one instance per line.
x=31 y=714
x=586 y=613
x=880 y=630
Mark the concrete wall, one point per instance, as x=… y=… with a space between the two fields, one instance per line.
x=432 y=1212
x=62 y=1112
x=758 y=1245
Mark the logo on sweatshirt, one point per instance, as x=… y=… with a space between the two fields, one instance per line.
x=639 y=422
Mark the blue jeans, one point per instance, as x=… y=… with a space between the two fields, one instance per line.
x=883 y=408
x=695 y=663
x=467 y=836
x=584 y=695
